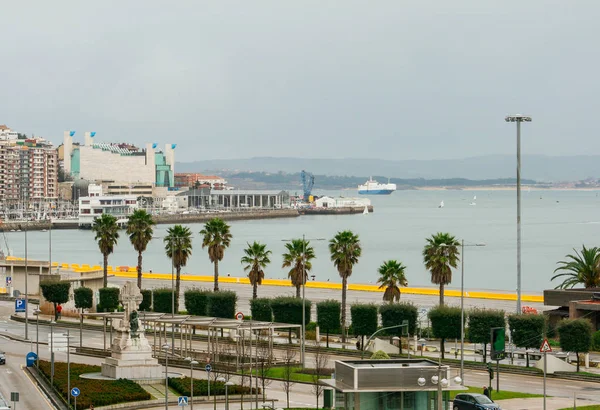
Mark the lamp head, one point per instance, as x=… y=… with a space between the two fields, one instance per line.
x=517 y=118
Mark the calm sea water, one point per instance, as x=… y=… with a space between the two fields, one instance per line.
x=554 y=222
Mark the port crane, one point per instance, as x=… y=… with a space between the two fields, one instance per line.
x=308 y=181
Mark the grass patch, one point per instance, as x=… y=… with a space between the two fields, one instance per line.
x=502 y=395
x=298 y=375
x=182 y=386
x=98 y=393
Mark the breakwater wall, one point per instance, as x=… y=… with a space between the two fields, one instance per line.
x=335 y=211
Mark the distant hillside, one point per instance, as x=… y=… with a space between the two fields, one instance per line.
x=534 y=167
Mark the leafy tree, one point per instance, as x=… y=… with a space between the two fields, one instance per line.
x=298 y=257
x=289 y=310
x=55 y=292
x=106 y=229
x=217 y=237
x=196 y=301
x=445 y=323
x=109 y=299
x=575 y=336
x=328 y=316
x=146 y=304
x=581 y=268
x=391 y=277
x=84 y=299
x=393 y=314
x=345 y=250
x=256 y=258
x=440 y=255
x=222 y=304
x=260 y=309
x=364 y=320
x=481 y=322
x=139 y=229
x=527 y=331
x=596 y=341
x=162 y=300
x=178 y=246
x=380 y=355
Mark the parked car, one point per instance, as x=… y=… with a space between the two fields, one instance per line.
x=471 y=401
x=2 y=358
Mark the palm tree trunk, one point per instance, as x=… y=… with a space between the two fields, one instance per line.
x=485 y=352
x=177 y=285
x=298 y=291
x=344 y=282
x=255 y=290
x=139 y=270
x=105 y=269
x=441 y=294
x=216 y=275
x=443 y=347
x=577 y=358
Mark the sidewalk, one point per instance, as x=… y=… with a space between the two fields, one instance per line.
x=552 y=403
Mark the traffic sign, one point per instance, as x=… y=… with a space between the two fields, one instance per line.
x=57 y=342
x=20 y=305
x=14 y=396
x=8 y=280
x=239 y=316
x=208 y=368
x=545 y=347
x=75 y=392
x=182 y=401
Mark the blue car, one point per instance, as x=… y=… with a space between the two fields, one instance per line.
x=471 y=401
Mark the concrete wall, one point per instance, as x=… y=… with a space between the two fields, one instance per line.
x=98 y=164
x=562 y=297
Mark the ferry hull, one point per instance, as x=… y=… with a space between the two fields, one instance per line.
x=375 y=191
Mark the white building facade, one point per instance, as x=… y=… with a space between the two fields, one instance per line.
x=96 y=204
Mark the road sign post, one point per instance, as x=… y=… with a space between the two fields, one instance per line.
x=20 y=305
x=239 y=316
x=14 y=397
x=208 y=369
x=75 y=392
x=545 y=348
x=182 y=401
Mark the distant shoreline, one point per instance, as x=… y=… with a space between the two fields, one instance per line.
x=502 y=188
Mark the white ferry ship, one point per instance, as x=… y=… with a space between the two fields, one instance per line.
x=372 y=187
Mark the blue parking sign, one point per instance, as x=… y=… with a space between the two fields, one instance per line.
x=20 y=305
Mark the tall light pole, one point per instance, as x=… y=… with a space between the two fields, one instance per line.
x=518 y=118
x=165 y=347
x=26 y=286
x=192 y=363
x=303 y=330
x=37 y=336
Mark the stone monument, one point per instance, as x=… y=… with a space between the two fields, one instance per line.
x=131 y=354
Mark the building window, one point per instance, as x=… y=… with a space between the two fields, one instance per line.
x=97 y=211
x=85 y=211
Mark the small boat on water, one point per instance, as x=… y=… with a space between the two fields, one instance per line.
x=366 y=210
x=372 y=187
x=441 y=204
x=474 y=199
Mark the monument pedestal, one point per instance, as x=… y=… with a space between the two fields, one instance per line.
x=131 y=358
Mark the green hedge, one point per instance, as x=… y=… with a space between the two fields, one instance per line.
x=182 y=386
x=109 y=299
x=328 y=316
x=163 y=300
x=393 y=314
x=196 y=301
x=84 y=298
x=261 y=309
x=146 y=304
x=445 y=322
x=222 y=304
x=289 y=310
x=364 y=318
x=596 y=341
x=92 y=392
x=527 y=330
x=481 y=323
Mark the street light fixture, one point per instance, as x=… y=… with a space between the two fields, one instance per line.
x=303 y=330
x=192 y=363
x=362 y=355
x=518 y=118
x=166 y=347
x=37 y=313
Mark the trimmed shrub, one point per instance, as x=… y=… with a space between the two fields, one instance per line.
x=109 y=299
x=393 y=314
x=481 y=323
x=163 y=300
x=146 y=304
x=379 y=355
x=364 y=319
x=527 y=331
x=84 y=298
x=312 y=326
x=222 y=304
x=196 y=301
x=596 y=341
x=56 y=292
x=445 y=323
x=182 y=386
x=328 y=316
x=575 y=336
x=289 y=310
x=261 y=309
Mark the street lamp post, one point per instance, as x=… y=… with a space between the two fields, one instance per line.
x=165 y=347
x=227 y=394
x=192 y=363
x=518 y=118
x=303 y=329
x=37 y=336
x=362 y=355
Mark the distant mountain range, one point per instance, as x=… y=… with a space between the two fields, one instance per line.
x=533 y=167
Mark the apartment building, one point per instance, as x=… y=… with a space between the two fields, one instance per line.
x=28 y=169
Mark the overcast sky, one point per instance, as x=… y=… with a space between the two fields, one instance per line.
x=380 y=79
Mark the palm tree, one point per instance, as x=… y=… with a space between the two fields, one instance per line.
x=139 y=229
x=440 y=255
x=391 y=277
x=256 y=259
x=298 y=257
x=581 y=268
x=106 y=229
x=217 y=238
x=178 y=246
x=345 y=250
